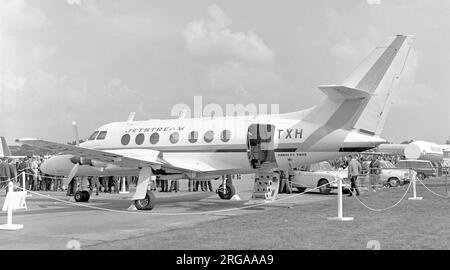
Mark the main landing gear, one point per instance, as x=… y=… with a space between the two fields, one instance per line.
x=143 y=198
x=82 y=196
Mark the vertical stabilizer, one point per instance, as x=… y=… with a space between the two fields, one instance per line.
x=4 y=149
x=362 y=101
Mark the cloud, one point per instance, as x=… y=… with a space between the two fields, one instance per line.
x=346 y=48
x=373 y=2
x=17 y=16
x=213 y=35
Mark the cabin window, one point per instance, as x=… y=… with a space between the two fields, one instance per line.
x=225 y=136
x=209 y=136
x=139 y=138
x=154 y=138
x=125 y=139
x=102 y=135
x=193 y=137
x=92 y=137
x=174 y=137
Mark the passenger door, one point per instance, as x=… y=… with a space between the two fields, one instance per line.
x=260 y=145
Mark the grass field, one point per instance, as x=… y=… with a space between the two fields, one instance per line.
x=410 y=225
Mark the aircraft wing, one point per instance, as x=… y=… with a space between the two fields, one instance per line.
x=126 y=157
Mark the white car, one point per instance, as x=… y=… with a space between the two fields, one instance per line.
x=390 y=175
x=319 y=174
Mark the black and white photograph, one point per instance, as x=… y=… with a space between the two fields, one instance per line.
x=241 y=128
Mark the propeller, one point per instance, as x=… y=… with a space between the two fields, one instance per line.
x=75 y=133
x=75 y=159
x=71 y=175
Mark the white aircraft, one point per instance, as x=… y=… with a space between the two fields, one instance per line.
x=421 y=150
x=350 y=119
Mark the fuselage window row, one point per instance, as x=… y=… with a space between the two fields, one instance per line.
x=174 y=137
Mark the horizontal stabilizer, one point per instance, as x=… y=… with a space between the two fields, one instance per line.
x=343 y=92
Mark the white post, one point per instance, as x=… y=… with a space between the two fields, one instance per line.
x=414 y=190
x=10 y=204
x=224 y=184
x=124 y=190
x=340 y=212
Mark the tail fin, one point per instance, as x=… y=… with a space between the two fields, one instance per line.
x=363 y=100
x=4 y=149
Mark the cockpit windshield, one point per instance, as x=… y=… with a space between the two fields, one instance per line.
x=92 y=137
x=102 y=135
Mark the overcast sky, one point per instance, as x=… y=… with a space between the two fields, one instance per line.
x=96 y=61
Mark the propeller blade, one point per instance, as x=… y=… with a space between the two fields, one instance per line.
x=71 y=175
x=75 y=133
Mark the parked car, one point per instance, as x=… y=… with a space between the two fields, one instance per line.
x=424 y=168
x=319 y=174
x=392 y=176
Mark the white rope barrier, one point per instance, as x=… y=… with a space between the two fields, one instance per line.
x=10 y=179
x=439 y=195
x=382 y=209
x=171 y=214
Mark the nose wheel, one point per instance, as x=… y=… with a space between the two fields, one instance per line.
x=226 y=194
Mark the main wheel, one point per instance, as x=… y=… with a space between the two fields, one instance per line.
x=79 y=196
x=420 y=176
x=324 y=186
x=147 y=203
x=230 y=192
x=86 y=195
x=393 y=182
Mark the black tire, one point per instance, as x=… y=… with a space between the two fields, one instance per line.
x=230 y=192
x=147 y=203
x=78 y=196
x=393 y=182
x=86 y=195
x=420 y=176
x=325 y=189
x=301 y=189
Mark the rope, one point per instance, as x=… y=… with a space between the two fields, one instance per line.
x=44 y=176
x=382 y=209
x=439 y=195
x=10 y=179
x=170 y=214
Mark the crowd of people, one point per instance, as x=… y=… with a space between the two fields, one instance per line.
x=342 y=162
x=36 y=180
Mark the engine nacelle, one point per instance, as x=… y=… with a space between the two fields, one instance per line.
x=424 y=151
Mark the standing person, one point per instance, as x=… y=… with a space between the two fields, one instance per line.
x=203 y=185
x=21 y=168
x=282 y=182
x=116 y=184
x=209 y=185
x=35 y=170
x=12 y=169
x=71 y=187
x=95 y=183
x=354 y=169
x=5 y=173
x=174 y=185
x=190 y=184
